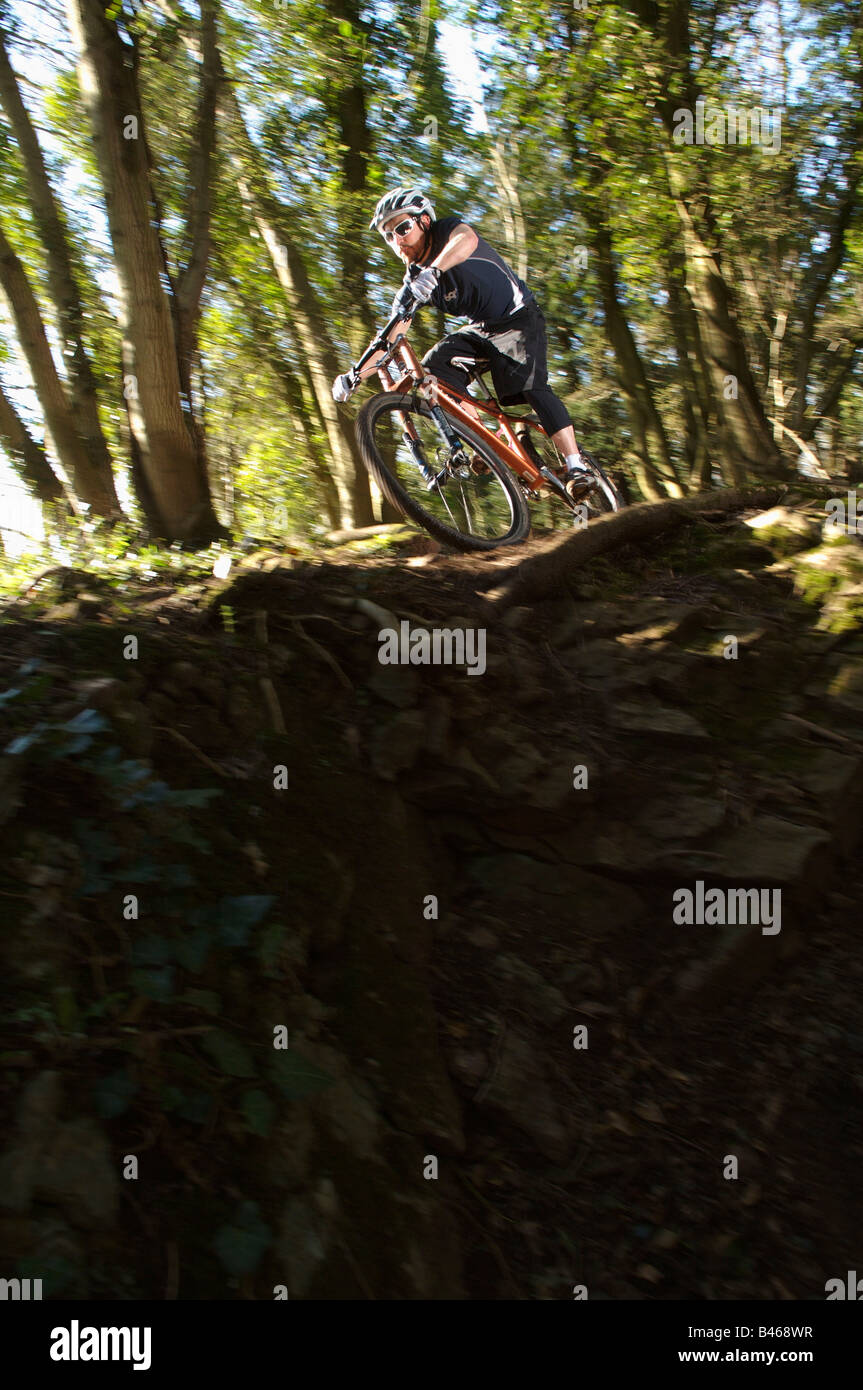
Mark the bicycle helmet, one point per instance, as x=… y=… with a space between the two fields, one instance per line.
x=400 y=200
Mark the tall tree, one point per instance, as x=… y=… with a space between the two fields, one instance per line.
x=89 y=482
x=96 y=485
x=27 y=455
x=162 y=423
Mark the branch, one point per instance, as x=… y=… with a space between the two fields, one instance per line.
x=804 y=448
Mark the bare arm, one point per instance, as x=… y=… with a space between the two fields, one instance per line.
x=462 y=242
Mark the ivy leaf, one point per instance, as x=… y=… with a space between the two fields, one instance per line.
x=193 y=949
x=71 y=746
x=25 y=741
x=89 y=721
x=155 y=983
x=296 y=1077
x=258 y=1112
x=196 y=796
x=230 y=1056
x=185 y=835
x=237 y=916
x=205 y=999
x=153 y=950
x=112 y=1094
x=196 y=1106
x=270 y=945
x=241 y=1242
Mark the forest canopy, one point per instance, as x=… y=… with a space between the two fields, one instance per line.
x=185 y=260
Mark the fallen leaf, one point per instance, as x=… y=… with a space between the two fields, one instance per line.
x=649 y=1110
x=665 y=1239
x=619 y=1122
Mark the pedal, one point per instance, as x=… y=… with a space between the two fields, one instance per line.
x=579 y=486
x=554 y=483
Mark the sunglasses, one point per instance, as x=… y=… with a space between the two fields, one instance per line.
x=401 y=230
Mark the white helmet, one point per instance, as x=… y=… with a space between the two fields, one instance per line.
x=401 y=200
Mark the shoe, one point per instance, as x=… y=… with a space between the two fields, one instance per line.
x=579 y=482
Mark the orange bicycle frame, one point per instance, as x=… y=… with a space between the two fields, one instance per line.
x=464 y=409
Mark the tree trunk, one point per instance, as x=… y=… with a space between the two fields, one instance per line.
x=89 y=485
x=168 y=444
x=313 y=339
x=83 y=402
x=652 y=462
x=747 y=439
x=27 y=455
x=651 y=442
x=190 y=282
x=697 y=406
x=293 y=389
x=510 y=206
x=344 y=95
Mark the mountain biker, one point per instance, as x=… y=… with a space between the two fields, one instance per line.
x=453 y=267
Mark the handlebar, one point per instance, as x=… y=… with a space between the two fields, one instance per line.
x=381 y=343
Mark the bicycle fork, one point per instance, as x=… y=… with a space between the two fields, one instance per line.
x=431 y=478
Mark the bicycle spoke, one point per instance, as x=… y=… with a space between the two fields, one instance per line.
x=472 y=504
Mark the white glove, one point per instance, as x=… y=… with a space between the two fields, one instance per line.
x=343 y=387
x=424 y=285
x=404 y=303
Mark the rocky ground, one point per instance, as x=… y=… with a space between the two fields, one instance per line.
x=510 y=1074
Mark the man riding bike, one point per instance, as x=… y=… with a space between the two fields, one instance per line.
x=453 y=267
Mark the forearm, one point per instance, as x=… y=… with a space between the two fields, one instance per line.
x=456 y=250
x=371 y=366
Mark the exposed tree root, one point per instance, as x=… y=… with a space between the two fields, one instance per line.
x=361 y=533
x=541 y=572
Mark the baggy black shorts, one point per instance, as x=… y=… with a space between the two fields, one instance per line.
x=516 y=354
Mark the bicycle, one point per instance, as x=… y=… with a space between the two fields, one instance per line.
x=440 y=465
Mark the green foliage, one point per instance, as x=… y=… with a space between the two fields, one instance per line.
x=113 y=1093
x=240 y=1244
x=258 y=1111
x=574 y=100
x=295 y=1077
x=228 y=1054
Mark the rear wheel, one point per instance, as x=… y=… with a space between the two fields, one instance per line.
x=464 y=496
x=604 y=497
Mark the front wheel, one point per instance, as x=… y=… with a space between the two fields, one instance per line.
x=463 y=496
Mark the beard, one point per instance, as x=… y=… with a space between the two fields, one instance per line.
x=416 y=253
